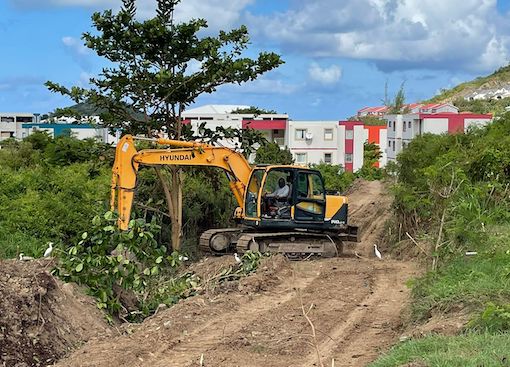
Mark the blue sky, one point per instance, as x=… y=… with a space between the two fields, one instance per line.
x=338 y=53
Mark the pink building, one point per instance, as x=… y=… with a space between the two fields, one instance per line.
x=351 y=140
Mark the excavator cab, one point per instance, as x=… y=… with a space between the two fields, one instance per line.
x=283 y=196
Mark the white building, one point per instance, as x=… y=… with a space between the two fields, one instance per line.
x=272 y=126
x=314 y=141
x=404 y=128
x=78 y=131
x=11 y=124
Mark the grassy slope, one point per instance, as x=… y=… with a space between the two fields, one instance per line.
x=499 y=77
x=470 y=283
x=470 y=350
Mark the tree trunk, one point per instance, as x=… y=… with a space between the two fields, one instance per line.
x=173 y=196
x=176 y=197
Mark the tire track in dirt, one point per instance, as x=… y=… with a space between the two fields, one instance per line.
x=372 y=325
x=207 y=337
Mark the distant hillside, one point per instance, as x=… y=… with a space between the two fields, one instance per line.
x=500 y=78
x=496 y=81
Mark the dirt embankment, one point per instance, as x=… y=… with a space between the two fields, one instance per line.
x=41 y=318
x=354 y=304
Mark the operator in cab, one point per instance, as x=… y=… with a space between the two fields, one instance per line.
x=282 y=191
x=271 y=199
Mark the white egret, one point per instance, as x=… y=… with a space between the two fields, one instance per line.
x=238 y=259
x=49 y=250
x=22 y=257
x=377 y=253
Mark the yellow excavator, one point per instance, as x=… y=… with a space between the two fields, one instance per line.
x=282 y=209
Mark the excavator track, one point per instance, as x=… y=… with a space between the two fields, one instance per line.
x=295 y=244
x=207 y=239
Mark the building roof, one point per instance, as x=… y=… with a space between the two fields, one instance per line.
x=377 y=109
x=213 y=109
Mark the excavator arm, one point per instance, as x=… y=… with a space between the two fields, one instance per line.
x=179 y=153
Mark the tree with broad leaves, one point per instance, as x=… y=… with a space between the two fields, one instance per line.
x=158 y=68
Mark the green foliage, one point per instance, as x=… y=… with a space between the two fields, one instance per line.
x=207 y=202
x=494 y=318
x=129 y=273
x=369 y=120
x=107 y=259
x=470 y=350
x=452 y=195
x=271 y=153
x=151 y=67
x=371 y=156
x=254 y=110
x=335 y=178
x=46 y=195
x=493 y=106
x=470 y=281
x=397 y=104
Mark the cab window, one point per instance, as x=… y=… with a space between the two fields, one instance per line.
x=253 y=193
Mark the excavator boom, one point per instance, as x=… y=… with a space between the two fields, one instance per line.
x=180 y=153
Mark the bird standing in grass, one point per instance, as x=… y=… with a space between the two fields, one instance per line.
x=49 y=250
x=238 y=259
x=22 y=257
x=377 y=253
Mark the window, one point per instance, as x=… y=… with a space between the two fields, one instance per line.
x=300 y=134
x=348 y=157
x=409 y=124
x=328 y=134
x=393 y=145
x=327 y=157
x=389 y=123
x=206 y=118
x=349 y=134
x=24 y=119
x=7 y=119
x=300 y=158
x=266 y=118
x=394 y=126
x=310 y=197
x=6 y=134
x=404 y=125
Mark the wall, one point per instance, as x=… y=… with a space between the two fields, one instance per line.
x=434 y=125
x=315 y=147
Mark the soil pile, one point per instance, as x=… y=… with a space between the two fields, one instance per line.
x=41 y=318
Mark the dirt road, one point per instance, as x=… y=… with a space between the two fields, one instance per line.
x=354 y=304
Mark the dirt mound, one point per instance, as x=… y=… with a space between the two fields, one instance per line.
x=41 y=318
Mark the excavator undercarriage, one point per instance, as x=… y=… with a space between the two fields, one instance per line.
x=292 y=244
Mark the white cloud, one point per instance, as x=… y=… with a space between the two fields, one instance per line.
x=328 y=75
x=220 y=14
x=76 y=45
x=396 y=34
